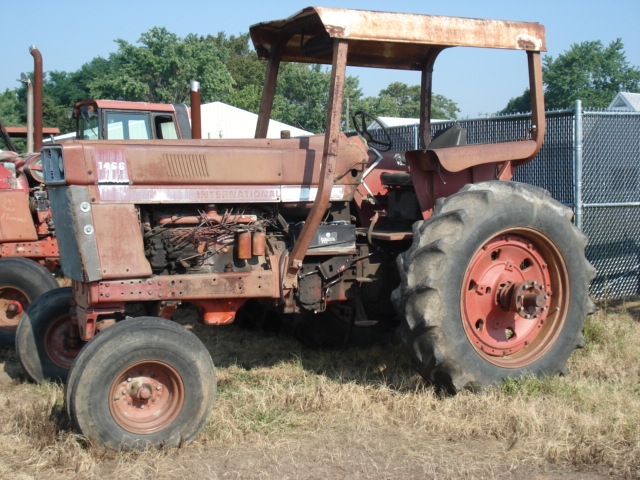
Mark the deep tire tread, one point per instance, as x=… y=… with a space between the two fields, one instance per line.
x=427 y=304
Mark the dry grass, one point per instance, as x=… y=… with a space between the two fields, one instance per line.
x=283 y=411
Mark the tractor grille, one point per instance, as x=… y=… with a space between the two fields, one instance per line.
x=52 y=165
x=186 y=166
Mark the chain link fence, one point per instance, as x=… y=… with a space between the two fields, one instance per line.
x=590 y=161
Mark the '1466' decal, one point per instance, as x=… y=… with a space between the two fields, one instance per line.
x=111 y=165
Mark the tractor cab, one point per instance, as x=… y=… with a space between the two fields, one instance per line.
x=121 y=120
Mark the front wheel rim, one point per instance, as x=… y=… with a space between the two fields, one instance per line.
x=60 y=347
x=514 y=297
x=146 y=397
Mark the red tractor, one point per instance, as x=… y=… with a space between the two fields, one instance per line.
x=28 y=245
x=487 y=277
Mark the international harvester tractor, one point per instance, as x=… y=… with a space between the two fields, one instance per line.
x=486 y=277
x=28 y=245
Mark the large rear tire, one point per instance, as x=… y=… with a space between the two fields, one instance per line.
x=47 y=340
x=21 y=282
x=142 y=382
x=495 y=285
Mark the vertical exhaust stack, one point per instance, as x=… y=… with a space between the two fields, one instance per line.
x=196 y=119
x=27 y=81
x=37 y=97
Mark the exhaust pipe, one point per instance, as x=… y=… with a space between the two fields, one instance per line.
x=37 y=98
x=24 y=78
x=196 y=119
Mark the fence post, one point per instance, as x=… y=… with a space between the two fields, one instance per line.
x=577 y=167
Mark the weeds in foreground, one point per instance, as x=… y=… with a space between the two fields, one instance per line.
x=308 y=413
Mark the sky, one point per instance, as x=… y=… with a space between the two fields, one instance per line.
x=481 y=82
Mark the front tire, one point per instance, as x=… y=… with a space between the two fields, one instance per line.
x=495 y=285
x=47 y=340
x=21 y=282
x=142 y=382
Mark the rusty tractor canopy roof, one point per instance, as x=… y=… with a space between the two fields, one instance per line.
x=385 y=39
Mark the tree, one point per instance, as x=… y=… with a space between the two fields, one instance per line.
x=402 y=100
x=587 y=71
x=443 y=107
x=10 y=116
x=302 y=95
x=519 y=104
x=160 y=69
x=245 y=67
x=10 y=112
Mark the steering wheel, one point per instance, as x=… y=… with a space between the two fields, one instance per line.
x=361 y=119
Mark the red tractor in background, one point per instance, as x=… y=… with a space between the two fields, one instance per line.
x=486 y=277
x=28 y=245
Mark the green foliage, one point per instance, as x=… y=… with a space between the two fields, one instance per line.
x=160 y=69
x=588 y=71
x=402 y=100
x=246 y=69
x=405 y=98
x=10 y=108
x=9 y=114
x=443 y=108
x=519 y=104
x=302 y=96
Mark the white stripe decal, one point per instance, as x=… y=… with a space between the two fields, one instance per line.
x=218 y=194
x=299 y=193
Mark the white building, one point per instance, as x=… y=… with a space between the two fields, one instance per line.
x=625 y=102
x=220 y=120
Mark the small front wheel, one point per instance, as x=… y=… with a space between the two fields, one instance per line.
x=47 y=340
x=142 y=382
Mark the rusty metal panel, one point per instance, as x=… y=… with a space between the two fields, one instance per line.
x=256 y=284
x=385 y=39
x=16 y=223
x=458 y=158
x=273 y=164
x=44 y=248
x=121 y=255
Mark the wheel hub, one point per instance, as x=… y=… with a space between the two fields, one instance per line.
x=507 y=301
x=146 y=397
x=12 y=305
x=13 y=309
x=527 y=298
x=62 y=342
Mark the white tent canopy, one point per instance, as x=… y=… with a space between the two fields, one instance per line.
x=220 y=120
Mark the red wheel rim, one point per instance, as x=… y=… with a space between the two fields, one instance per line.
x=13 y=303
x=146 y=397
x=60 y=347
x=514 y=298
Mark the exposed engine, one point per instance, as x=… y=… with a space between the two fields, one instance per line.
x=184 y=241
